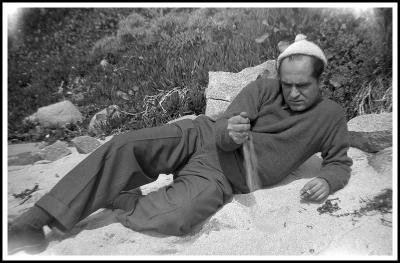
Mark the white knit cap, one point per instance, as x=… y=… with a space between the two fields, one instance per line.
x=305 y=47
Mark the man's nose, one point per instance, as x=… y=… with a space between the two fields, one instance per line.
x=294 y=92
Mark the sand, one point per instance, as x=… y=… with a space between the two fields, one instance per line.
x=269 y=222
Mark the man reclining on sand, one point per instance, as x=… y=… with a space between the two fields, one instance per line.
x=287 y=119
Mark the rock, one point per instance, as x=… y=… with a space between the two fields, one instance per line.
x=371 y=142
x=42 y=162
x=122 y=95
x=104 y=63
x=224 y=86
x=55 y=151
x=14 y=149
x=371 y=122
x=371 y=132
x=382 y=161
x=58 y=114
x=24 y=158
x=190 y=117
x=31 y=119
x=96 y=125
x=85 y=144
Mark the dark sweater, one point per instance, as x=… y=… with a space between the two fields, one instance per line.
x=283 y=139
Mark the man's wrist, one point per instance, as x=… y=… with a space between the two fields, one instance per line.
x=327 y=181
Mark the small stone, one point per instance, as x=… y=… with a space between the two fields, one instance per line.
x=42 y=162
x=122 y=95
x=55 y=151
x=85 y=144
x=24 y=158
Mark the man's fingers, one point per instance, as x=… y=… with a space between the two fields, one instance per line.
x=242 y=118
x=321 y=196
x=239 y=127
x=238 y=137
x=315 y=194
x=308 y=187
x=316 y=187
x=244 y=114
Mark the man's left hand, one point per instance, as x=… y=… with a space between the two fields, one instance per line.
x=315 y=190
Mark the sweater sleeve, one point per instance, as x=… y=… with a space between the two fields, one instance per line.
x=248 y=100
x=336 y=164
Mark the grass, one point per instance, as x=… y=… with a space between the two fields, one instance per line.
x=374 y=97
x=161 y=58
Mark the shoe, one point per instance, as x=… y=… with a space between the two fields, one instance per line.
x=26 y=238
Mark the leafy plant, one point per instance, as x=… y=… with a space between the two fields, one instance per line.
x=92 y=56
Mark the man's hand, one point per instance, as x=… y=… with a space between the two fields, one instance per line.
x=315 y=190
x=239 y=127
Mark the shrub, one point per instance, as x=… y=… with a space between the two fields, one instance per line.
x=165 y=54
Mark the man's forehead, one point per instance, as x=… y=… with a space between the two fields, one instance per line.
x=301 y=68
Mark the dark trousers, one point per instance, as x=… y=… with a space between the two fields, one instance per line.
x=136 y=158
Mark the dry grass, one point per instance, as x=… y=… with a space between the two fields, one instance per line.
x=374 y=97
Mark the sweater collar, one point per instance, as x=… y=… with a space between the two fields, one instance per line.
x=285 y=106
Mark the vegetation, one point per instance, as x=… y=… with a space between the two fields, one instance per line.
x=153 y=63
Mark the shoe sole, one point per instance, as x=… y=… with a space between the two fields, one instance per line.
x=33 y=249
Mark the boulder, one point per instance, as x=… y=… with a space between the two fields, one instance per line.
x=371 y=132
x=58 y=114
x=85 y=144
x=382 y=161
x=224 y=86
x=100 y=119
x=55 y=151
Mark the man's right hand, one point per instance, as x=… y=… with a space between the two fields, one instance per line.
x=239 y=127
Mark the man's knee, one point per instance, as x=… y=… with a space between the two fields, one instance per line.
x=182 y=220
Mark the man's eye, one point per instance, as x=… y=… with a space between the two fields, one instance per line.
x=302 y=85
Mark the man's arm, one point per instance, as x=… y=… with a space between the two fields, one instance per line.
x=247 y=101
x=335 y=170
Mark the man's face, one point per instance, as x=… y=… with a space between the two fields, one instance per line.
x=300 y=89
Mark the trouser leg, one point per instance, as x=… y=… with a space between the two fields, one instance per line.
x=197 y=192
x=133 y=158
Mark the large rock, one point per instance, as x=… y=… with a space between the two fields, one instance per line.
x=224 y=86
x=371 y=132
x=57 y=115
x=85 y=144
x=55 y=151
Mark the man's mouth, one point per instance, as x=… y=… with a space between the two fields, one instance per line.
x=296 y=101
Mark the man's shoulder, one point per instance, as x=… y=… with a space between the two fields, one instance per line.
x=266 y=84
x=331 y=108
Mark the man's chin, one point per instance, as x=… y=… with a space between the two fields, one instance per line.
x=297 y=107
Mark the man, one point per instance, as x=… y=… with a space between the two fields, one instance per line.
x=288 y=121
